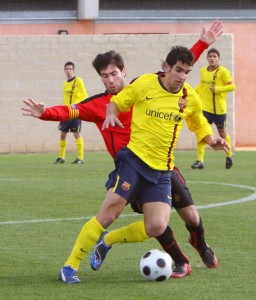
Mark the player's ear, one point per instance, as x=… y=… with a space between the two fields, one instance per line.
x=124 y=71
x=166 y=68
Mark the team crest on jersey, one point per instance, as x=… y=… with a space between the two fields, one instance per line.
x=177 y=118
x=125 y=186
x=182 y=104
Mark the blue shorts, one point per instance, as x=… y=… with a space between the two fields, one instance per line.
x=218 y=120
x=181 y=196
x=139 y=184
x=73 y=125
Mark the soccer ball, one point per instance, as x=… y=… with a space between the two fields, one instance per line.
x=156 y=265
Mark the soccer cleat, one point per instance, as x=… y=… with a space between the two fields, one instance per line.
x=209 y=258
x=59 y=161
x=78 y=161
x=99 y=253
x=68 y=275
x=207 y=255
x=181 y=270
x=229 y=162
x=197 y=165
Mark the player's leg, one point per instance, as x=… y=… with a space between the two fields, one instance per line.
x=111 y=208
x=199 y=163
x=64 y=128
x=76 y=129
x=220 y=122
x=184 y=205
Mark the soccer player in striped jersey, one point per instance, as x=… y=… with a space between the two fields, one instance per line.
x=215 y=82
x=73 y=91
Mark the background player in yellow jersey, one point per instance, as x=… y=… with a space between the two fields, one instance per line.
x=74 y=91
x=215 y=82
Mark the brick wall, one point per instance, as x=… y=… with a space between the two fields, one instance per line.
x=32 y=66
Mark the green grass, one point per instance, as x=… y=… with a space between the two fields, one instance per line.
x=64 y=196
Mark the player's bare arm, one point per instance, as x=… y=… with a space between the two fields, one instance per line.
x=210 y=35
x=111 y=117
x=33 y=108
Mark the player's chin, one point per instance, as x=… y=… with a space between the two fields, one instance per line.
x=113 y=90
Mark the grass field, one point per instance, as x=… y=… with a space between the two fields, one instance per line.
x=43 y=207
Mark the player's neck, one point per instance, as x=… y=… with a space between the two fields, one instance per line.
x=212 y=68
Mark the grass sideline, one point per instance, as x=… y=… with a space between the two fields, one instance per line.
x=64 y=196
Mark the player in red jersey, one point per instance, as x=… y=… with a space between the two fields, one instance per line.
x=93 y=110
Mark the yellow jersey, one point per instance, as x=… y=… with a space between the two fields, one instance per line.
x=215 y=102
x=158 y=118
x=74 y=91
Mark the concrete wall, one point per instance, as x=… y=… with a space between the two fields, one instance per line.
x=32 y=66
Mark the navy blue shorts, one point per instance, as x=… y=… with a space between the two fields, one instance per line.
x=73 y=125
x=218 y=120
x=135 y=186
x=181 y=196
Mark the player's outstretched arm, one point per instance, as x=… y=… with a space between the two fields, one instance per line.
x=33 y=108
x=210 y=35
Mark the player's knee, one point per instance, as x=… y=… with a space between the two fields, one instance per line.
x=193 y=220
x=155 y=229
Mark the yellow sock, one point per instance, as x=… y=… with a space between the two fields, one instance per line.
x=86 y=239
x=200 y=151
x=228 y=140
x=133 y=233
x=80 y=148
x=62 y=149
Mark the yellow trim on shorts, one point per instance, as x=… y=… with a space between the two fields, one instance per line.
x=117 y=180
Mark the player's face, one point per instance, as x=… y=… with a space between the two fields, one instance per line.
x=213 y=60
x=113 y=79
x=69 y=71
x=176 y=76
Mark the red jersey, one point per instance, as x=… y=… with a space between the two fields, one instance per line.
x=93 y=109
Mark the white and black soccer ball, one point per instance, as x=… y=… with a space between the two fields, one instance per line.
x=156 y=265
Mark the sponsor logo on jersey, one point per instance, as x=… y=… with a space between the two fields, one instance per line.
x=159 y=114
x=177 y=118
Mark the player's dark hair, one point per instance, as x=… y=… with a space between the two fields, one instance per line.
x=102 y=60
x=69 y=63
x=180 y=53
x=214 y=50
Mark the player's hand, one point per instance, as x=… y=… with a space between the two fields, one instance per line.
x=111 y=120
x=210 y=36
x=220 y=144
x=33 y=108
x=212 y=87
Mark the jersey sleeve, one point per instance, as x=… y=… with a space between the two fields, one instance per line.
x=91 y=110
x=198 y=48
x=227 y=79
x=197 y=123
x=126 y=98
x=80 y=93
x=56 y=113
